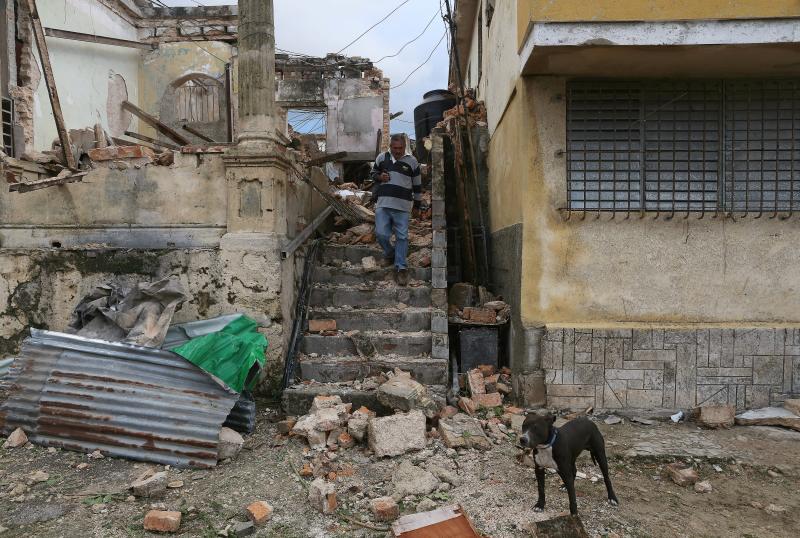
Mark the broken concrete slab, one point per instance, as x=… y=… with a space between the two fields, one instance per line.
x=404 y=394
x=792 y=405
x=695 y=444
x=717 y=416
x=150 y=484
x=559 y=527
x=357 y=425
x=16 y=439
x=769 y=416
x=322 y=496
x=396 y=434
x=462 y=431
x=230 y=443
x=408 y=479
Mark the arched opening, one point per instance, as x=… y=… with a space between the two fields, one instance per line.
x=199 y=101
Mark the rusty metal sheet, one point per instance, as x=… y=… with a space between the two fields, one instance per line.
x=130 y=401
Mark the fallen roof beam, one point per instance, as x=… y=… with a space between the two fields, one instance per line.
x=102 y=40
x=44 y=183
x=152 y=141
x=154 y=122
x=327 y=158
x=198 y=134
x=50 y=81
x=289 y=249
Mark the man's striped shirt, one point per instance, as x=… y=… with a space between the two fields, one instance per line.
x=404 y=186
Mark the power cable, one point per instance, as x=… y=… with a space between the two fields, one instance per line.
x=423 y=63
x=373 y=26
x=407 y=44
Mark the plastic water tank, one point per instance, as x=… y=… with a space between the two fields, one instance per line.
x=429 y=113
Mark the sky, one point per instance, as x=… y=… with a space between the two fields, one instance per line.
x=317 y=27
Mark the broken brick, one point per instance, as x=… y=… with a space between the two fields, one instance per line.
x=385 y=509
x=345 y=440
x=475 y=382
x=494 y=399
x=162 y=521
x=486 y=369
x=448 y=412
x=322 y=496
x=467 y=405
x=480 y=315
x=306 y=471
x=321 y=325
x=113 y=153
x=259 y=512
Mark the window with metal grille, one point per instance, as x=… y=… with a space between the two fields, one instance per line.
x=8 y=126
x=691 y=145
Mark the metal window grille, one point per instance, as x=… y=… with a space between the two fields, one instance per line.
x=8 y=126
x=689 y=146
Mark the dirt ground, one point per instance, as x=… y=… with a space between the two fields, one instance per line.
x=755 y=488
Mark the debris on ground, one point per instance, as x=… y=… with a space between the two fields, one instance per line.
x=475 y=305
x=384 y=509
x=449 y=521
x=396 y=434
x=769 y=416
x=150 y=484
x=681 y=475
x=16 y=439
x=259 y=512
x=462 y=431
x=703 y=487
x=612 y=419
x=401 y=392
x=322 y=496
x=559 y=527
x=162 y=521
x=230 y=443
x=717 y=416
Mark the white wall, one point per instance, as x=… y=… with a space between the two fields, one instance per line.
x=82 y=70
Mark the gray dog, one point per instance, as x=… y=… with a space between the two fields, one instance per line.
x=558 y=448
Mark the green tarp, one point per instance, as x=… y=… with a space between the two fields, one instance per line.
x=229 y=354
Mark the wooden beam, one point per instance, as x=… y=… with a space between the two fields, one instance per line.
x=289 y=249
x=101 y=40
x=44 y=183
x=153 y=141
x=154 y=122
x=198 y=134
x=122 y=142
x=50 y=81
x=326 y=158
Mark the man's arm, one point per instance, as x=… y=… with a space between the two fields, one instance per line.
x=376 y=168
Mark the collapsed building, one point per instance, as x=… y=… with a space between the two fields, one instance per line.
x=183 y=166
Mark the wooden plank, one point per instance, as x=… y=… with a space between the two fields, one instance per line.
x=102 y=40
x=154 y=122
x=122 y=142
x=152 y=141
x=44 y=183
x=289 y=249
x=198 y=134
x=50 y=81
x=327 y=158
x=449 y=521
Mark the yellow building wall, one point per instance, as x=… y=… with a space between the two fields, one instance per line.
x=508 y=168
x=629 y=272
x=647 y=10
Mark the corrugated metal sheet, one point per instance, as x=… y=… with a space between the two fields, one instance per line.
x=130 y=401
x=4 y=365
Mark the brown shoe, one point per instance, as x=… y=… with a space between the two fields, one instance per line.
x=401 y=276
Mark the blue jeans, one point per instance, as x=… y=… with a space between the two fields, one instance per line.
x=393 y=220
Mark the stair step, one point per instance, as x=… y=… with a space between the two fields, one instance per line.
x=419 y=296
x=353 y=253
x=401 y=344
x=297 y=398
x=426 y=370
x=370 y=319
x=329 y=274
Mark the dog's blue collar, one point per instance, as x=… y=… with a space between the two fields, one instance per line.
x=552 y=439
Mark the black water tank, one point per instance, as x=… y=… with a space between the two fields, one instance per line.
x=429 y=113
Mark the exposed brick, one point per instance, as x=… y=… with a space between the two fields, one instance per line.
x=113 y=153
x=475 y=382
x=162 y=521
x=321 y=325
x=384 y=509
x=487 y=370
x=448 y=411
x=480 y=315
x=467 y=405
x=259 y=512
x=488 y=400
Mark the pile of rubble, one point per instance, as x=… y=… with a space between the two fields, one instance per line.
x=475 y=112
x=487 y=389
x=475 y=305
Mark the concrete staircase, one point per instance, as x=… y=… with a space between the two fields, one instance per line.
x=395 y=320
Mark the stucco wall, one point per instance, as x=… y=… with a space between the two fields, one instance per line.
x=598 y=271
x=648 y=10
x=83 y=70
x=355 y=114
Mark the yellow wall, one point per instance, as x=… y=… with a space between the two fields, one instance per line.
x=640 y=271
x=648 y=10
x=508 y=167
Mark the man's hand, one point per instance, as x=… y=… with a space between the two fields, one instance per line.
x=384 y=177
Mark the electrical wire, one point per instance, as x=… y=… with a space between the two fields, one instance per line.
x=407 y=44
x=373 y=26
x=423 y=63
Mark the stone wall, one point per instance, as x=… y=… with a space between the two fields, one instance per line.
x=670 y=368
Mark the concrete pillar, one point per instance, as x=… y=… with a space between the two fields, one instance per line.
x=256 y=71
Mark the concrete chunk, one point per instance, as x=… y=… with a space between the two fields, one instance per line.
x=769 y=416
x=16 y=439
x=230 y=443
x=462 y=431
x=717 y=416
x=150 y=484
x=322 y=496
x=404 y=394
x=396 y=434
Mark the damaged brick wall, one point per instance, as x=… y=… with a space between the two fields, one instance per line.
x=670 y=368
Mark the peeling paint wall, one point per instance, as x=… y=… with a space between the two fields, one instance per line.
x=83 y=70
